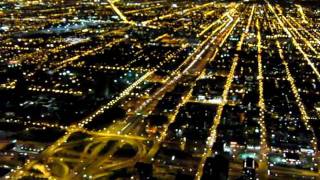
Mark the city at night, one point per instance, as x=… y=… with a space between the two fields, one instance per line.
x=159 y=90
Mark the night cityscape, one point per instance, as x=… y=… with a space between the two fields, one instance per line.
x=159 y=90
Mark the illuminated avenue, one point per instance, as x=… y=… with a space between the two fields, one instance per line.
x=136 y=89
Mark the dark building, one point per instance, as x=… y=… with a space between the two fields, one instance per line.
x=216 y=168
x=144 y=170
x=180 y=176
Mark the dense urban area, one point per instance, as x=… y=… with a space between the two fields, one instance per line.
x=161 y=89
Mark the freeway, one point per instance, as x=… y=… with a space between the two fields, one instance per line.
x=263 y=143
x=192 y=65
x=230 y=77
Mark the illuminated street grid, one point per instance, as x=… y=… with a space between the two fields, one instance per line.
x=96 y=89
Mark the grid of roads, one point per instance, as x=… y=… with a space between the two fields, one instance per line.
x=134 y=89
